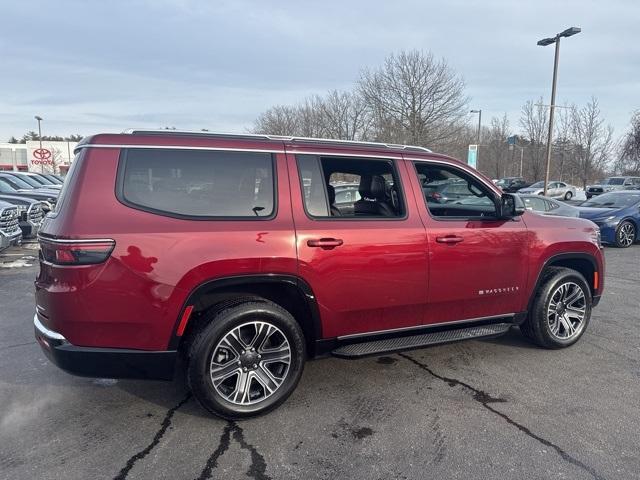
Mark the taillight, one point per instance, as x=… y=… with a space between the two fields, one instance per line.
x=75 y=252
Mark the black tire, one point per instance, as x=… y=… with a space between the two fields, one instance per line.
x=219 y=322
x=622 y=240
x=536 y=327
x=568 y=195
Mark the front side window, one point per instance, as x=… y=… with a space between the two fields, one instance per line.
x=449 y=192
x=198 y=183
x=350 y=187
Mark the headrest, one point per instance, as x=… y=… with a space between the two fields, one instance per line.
x=332 y=194
x=373 y=187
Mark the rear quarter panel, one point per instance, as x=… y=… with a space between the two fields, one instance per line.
x=134 y=299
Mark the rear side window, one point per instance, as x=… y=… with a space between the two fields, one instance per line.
x=198 y=183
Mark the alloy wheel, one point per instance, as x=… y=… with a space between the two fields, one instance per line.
x=626 y=234
x=250 y=363
x=566 y=311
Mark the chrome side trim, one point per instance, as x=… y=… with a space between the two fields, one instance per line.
x=45 y=331
x=425 y=326
x=83 y=240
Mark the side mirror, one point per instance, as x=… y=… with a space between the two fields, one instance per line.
x=511 y=205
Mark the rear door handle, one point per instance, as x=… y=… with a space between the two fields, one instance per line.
x=449 y=239
x=326 y=243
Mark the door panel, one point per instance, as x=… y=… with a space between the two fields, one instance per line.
x=367 y=274
x=477 y=266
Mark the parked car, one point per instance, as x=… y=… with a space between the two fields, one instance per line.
x=611 y=184
x=447 y=191
x=47 y=198
x=52 y=178
x=617 y=214
x=30 y=213
x=549 y=206
x=10 y=233
x=512 y=184
x=19 y=184
x=247 y=280
x=555 y=189
x=35 y=179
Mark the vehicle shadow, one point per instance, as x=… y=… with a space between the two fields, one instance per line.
x=513 y=338
x=169 y=394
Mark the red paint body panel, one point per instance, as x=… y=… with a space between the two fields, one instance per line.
x=387 y=274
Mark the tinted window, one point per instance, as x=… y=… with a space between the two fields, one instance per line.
x=199 y=183
x=450 y=192
x=29 y=180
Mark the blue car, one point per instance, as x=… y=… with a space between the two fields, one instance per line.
x=617 y=214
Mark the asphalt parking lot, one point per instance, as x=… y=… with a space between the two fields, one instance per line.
x=481 y=409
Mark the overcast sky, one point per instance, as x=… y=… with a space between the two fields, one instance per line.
x=89 y=67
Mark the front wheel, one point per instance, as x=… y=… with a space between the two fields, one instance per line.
x=625 y=234
x=561 y=309
x=246 y=360
x=568 y=195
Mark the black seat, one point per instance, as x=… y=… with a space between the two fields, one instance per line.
x=375 y=198
x=332 y=200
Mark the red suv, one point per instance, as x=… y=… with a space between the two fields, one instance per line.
x=230 y=254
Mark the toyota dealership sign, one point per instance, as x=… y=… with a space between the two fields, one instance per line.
x=50 y=156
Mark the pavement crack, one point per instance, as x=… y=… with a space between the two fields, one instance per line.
x=486 y=400
x=258 y=466
x=19 y=345
x=166 y=422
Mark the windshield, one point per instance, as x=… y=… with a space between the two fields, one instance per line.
x=18 y=183
x=537 y=185
x=6 y=188
x=30 y=181
x=613 y=200
x=613 y=181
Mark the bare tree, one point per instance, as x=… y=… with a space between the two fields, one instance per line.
x=278 y=120
x=534 y=124
x=629 y=150
x=592 y=140
x=345 y=116
x=495 y=151
x=414 y=98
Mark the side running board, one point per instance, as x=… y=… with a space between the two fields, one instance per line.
x=375 y=347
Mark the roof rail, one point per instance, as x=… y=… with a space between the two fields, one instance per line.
x=261 y=136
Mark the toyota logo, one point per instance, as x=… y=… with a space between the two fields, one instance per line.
x=42 y=154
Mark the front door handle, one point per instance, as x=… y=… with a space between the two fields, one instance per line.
x=325 y=243
x=451 y=239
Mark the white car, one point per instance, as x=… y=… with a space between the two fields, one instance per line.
x=559 y=190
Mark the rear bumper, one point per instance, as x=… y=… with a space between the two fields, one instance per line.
x=104 y=362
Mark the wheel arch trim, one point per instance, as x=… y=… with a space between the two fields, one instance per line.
x=560 y=257
x=304 y=290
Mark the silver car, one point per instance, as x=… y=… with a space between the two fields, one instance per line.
x=549 y=206
x=555 y=189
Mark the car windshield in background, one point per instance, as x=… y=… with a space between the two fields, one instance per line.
x=613 y=200
x=613 y=181
x=537 y=185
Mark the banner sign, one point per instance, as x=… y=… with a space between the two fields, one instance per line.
x=472 y=156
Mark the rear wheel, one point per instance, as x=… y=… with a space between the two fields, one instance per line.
x=246 y=360
x=625 y=234
x=568 y=195
x=561 y=309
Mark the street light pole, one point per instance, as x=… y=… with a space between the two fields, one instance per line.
x=39 y=119
x=543 y=43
